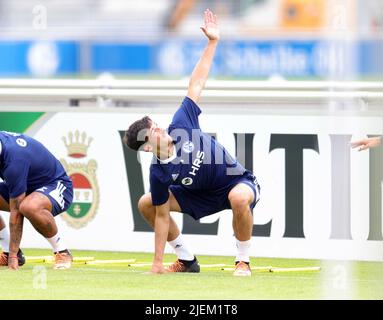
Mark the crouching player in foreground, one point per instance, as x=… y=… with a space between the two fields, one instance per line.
x=35 y=186
x=193 y=174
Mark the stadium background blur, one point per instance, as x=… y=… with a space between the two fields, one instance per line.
x=261 y=38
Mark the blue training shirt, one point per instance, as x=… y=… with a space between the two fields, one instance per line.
x=25 y=164
x=200 y=163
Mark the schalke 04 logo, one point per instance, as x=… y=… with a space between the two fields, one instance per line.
x=188 y=147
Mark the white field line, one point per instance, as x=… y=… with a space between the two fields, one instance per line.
x=265 y=268
x=302 y=269
x=96 y=262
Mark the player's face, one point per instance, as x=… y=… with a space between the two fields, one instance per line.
x=157 y=136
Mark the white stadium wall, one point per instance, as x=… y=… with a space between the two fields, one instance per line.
x=315 y=202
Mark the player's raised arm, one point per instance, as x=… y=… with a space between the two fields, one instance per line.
x=201 y=70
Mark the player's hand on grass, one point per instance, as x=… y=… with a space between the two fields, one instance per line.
x=366 y=143
x=158 y=269
x=210 y=29
x=13 y=263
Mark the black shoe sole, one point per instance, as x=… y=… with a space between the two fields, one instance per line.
x=194 y=268
x=20 y=258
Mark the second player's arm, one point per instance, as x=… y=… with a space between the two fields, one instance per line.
x=16 y=222
x=365 y=144
x=161 y=230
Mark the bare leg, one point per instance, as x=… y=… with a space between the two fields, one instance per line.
x=4 y=234
x=37 y=207
x=4 y=205
x=186 y=262
x=240 y=197
x=2 y=223
x=4 y=237
x=148 y=211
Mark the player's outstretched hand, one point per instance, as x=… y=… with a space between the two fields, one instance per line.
x=210 y=29
x=366 y=143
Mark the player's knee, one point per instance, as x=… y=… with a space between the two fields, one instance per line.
x=239 y=201
x=145 y=204
x=28 y=208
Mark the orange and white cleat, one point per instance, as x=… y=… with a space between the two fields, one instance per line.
x=3 y=259
x=62 y=260
x=242 y=269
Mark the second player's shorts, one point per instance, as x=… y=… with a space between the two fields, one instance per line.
x=59 y=192
x=199 y=204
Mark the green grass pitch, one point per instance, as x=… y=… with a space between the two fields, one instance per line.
x=335 y=280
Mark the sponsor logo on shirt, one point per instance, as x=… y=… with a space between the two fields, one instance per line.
x=187 y=181
x=197 y=163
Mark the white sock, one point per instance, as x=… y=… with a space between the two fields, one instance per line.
x=243 y=250
x=4 y=239
x=181 y=249
x=57 y=243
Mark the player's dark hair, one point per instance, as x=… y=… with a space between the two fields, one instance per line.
x=132 y=138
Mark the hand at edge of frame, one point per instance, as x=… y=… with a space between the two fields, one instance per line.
x=365 y=144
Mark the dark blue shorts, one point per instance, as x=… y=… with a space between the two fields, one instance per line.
x=199 y=204
x=59 y=192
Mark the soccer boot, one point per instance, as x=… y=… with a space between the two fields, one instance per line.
x=62 y=260
x=184 y=266
x=242 y=269
x=4 y=258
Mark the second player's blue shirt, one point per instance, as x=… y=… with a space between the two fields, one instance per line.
x=200 y=163
x=26 y=165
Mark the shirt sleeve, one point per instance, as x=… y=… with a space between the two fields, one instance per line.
x=16 y=176
x=187 y=115
x=159 y=190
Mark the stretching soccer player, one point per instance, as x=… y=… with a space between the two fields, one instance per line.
x=35 y=186
x=193 y=174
